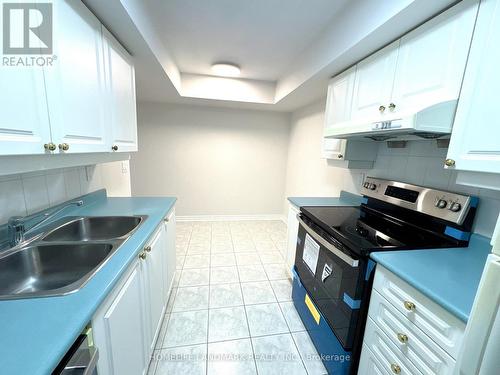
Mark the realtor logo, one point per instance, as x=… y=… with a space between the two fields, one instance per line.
x=27 y=29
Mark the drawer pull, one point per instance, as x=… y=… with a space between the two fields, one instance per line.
x=403 y=339
x=410 y=306
x=395 y=368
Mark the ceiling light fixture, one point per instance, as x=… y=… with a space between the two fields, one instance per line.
x=226 y=69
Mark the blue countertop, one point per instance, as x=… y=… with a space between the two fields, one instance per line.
x=449 y=277
x=345 y=199
x=36 y=333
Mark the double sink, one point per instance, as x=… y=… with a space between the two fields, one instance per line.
x=61 y=259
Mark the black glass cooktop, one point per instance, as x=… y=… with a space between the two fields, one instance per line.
x=363 y=229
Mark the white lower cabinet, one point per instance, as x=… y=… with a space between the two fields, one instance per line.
x=292 y=231
x=119 y=326
x=127 y=324
x=406 y=332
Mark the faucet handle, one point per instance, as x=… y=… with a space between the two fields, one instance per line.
x=16 y=230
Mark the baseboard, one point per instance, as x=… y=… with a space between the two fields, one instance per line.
x=276 y=217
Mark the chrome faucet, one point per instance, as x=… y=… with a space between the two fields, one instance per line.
x=17 y=224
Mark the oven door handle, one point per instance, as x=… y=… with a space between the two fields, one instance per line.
x=339 y=253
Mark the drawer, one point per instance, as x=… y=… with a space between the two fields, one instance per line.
x=441 y=326
x=387 y=354
x=424 y=353
x=369 y=364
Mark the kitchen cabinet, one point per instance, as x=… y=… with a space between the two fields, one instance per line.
x=127 y=324
x=25 y=121
x=119 y=326
x=406 y=330
x=292 y=232
x=474 y=144
x=152 y=257
x=352 y=154
x=76 y=84
x=421 y=71
x=431 y=60
x=373 y=84
x=120 y=85
x=169 y=261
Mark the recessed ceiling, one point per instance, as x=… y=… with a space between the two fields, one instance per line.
x=263 y=37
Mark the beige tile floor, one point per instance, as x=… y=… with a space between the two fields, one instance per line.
x=231 y=311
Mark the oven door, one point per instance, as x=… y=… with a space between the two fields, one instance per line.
x=334 y=279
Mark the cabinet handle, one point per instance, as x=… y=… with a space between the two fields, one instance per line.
x=50 y=146
x=63 y=147
x=381 y=109
x=410 y=306
x=166 y=220
x=143 y=255
x=395 y=368
x=392 y=107
x=403 y=339
x=340 y=156
x=114 y=148
x=449 y=162
x=147 y=249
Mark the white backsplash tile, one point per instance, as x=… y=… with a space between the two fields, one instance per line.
x=31 y=192
x=421 y=163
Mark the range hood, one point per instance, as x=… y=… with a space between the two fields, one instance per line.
x=432 y=122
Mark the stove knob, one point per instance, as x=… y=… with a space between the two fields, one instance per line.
x=455 y=207
x=366 y=185
x=441 y=203
x=372 y=187
x=362 y=231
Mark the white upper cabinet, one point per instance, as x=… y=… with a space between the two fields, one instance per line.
x=432 y=60
x=24 y=124
x=373 y=84
x=475 y=141
x=76 y=83
x=339 y=98
x=120 y=82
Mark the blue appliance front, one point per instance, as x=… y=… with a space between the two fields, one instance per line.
x=337 y=361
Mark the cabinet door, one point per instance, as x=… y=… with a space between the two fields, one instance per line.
x=120 y=82
x=369 y=365
x=339 y=99
x=432 y=58
x=24 y=124
x=474 y=144
x=373 y=84
x=169 y=254
x=292 y=231
x=119 y=329
x=333 y=148
x=154 y=275
x=75 y=84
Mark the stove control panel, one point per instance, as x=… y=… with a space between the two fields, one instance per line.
x=441 y=204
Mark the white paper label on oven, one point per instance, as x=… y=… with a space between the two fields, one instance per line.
x=311 y=253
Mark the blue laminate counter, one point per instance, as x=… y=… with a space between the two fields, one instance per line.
x=449 y=277
x=345 y=199
x=36 y=333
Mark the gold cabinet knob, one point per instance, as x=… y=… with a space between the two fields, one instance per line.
x=340 y=156
x=166 y=220
x=63 y=147
x=114 y=148
x=381 y=109
x=392 y=107
x=147 y=249
x=50 y=146
x=143 y=255
x=410 y=306
x=403 y=339
x=449 y=162
x=395 y=368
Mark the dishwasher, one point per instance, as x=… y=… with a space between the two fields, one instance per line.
x=81 y=358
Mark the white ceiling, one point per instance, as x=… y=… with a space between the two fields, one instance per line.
x=262 y=36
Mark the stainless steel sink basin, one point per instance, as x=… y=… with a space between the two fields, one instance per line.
x=95 y=228
x=50 y=269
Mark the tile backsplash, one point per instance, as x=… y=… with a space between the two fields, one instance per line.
x=27 y=193
x=421 y=163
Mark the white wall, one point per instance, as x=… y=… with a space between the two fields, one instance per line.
x=24 y=194
x=216 y=161
x=421 y=163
